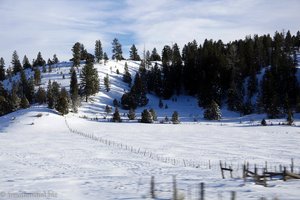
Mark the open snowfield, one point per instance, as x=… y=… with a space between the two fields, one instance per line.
x=41 y=154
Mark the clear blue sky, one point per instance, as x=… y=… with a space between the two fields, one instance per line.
x=53 y=26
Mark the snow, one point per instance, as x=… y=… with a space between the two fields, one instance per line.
x=78 y=157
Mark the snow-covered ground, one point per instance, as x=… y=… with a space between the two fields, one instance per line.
x=40 y=154
x=75 y=157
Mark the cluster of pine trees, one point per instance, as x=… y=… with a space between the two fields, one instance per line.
x=22 y=92
x=224 y=74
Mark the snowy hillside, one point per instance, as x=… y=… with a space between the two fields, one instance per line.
x=82 y=156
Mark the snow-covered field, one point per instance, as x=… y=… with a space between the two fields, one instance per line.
x=74 y=157
x=40 y=154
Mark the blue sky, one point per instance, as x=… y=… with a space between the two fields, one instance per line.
x=53 y=26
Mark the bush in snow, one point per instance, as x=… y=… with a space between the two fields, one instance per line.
x=175 y=118
x=116 y=116
x=146 y=117
x=212 y=112
x=263 y=122
x=131 y=114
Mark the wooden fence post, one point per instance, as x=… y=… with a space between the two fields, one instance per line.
x=174 y=188
x=222 y=172
x=233 y=194
x=152 y=188
x=202 y=191
x=292 y=165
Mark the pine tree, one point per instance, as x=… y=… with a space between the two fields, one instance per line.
x=13 y=98
x=117 y=50
x=107 y=83
x=26 y=63
x=133 y=54
x=212 y=112
x=16 y=64
x=50 y=98
x=39 y=60
x=175 y=118
x=138 y=91
x=263 y=122
x=131 y=114
x=74 y=91
x=98 y=51
x=105 y=57
x=154 y=55
x=108 y=109
x=146 y=117
x=62 y=105
x=153 y=113
x=127 y=76
x=41 y=96
x=290 y=119
x=56 y=93
x=116 y=116
x=37 y=76
x=55 y=59
x=76 y=54
x=24 y=103
x=89 y=81
x=2 y=69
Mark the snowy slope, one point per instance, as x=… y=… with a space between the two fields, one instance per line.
x=41 y=154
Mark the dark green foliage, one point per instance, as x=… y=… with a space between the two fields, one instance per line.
x=74 y=91
x=26 y=63
x=13 y=98
x=212 y=112
x=116 y=116
x=50 y=98
x=24 y=103
x=16 y=64
x=39 y=61
x=37 y=76
x=76 y=54
x=133 y=54
x=107 y=83
x=263 y=122
x=105 y=57
x=55 y=59
x=62 y=105
x=175 y=118
x=153 y=113
x=26 y=87
x=41 y=96
x=154 y=55
x=146 y=117
x=98 y=51
x=116 y=50
x=127 y=76
x=128 y=101
x=108 y=109
x=89 y=81
x=115 y=103
x=131 y=114
x=2 y=69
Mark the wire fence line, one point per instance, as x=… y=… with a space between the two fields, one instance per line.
x=237 y=167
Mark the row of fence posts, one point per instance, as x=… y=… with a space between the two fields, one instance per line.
x=175 y=196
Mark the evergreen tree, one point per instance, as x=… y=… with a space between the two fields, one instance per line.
x=55 y=59
x=41 y=96
x=56 y=93
x=107 y=83
x=27 y=87
x=2 y=69
x=98 y=51
x=212 y=112
x=154 y=55
x=117 y=50
x=127 y=76
x=290 y=119
x=133 y=54
x=131 y=114
x=26 y=63
x=116 y=116
x=76 y=54
x=13 y=98
x=62 y=105
x=50 y=98
x=175 y=118
x=89 y=81
x=153 y=113
x=108 y=109
x=39 y=60
x=105 y=57
x=37 y=76
x=263 y=122
x=24 y=103
x=115 y=103
x=138 y=91
x=160 y=104
x=146 y=117
x=16 y=64
x=74 y=91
